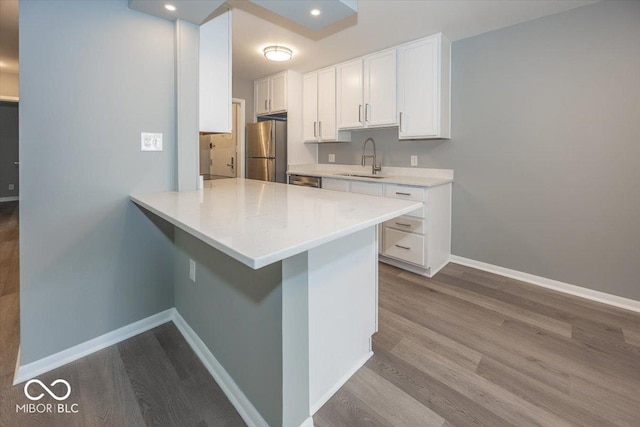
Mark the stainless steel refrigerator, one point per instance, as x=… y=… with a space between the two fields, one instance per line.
x=266 y=151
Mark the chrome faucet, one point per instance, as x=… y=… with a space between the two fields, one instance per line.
x=374 y=168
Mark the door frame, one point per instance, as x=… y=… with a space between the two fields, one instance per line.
x=240 y=136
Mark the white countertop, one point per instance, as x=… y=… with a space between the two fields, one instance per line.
x=389 y=175
x=259 y=223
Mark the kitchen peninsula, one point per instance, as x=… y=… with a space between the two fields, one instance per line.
x=282 y=300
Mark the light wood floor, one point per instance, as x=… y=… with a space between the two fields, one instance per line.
x=464 y=348
x=473 y=348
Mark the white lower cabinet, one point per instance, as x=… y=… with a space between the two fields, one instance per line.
x=405 y=246
x=335 y=184
x=370 y=188
x=419 y=241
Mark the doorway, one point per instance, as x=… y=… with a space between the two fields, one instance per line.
x=222 y=155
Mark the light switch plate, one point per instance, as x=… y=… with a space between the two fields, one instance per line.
x=332 y=158
x=150 y=141
x=414 y=160
x=192 y=270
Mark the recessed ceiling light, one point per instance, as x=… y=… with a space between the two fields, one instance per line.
x=315 y=12
x=170 y=7
x=277 y=53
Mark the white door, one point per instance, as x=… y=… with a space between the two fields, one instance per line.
x=261 y=89
x=418 y=89
x=349 y=95
x=327 y=105
x=223 y=155
x=278 y=95
x=380 y=89
x=310 y=107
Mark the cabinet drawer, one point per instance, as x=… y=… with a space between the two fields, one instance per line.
x=371 y=188
x=408 y=224
x=404 y=246
x=335 y=184
x=405 y=192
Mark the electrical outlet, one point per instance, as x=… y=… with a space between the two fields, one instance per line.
x=192 y=270
x=11 y=186
x=414 y=160
x=332 y=158
x=150 y=141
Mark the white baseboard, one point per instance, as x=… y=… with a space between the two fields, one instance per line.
x=33 y=369
x=243 y=405
x=316 y=406
x=9 y=199
x=590 y=294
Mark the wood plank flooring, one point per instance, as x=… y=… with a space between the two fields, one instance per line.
x=472 y=348
x=466 y=348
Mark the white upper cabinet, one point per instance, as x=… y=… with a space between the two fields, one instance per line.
x=278 y=93
x=319 y=107
x=310 y=107
x=350 y=95
x=424 y=89
x=327 y=130
x=367 y=91
x=270 y=94
x=261 y=91
x=215 y=75
x=380 y=89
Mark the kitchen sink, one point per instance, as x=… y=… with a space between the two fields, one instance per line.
x=362 y=175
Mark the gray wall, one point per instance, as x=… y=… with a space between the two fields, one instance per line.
x=243 y=89
x=93 y=75
x=237 y=312
x=8 y=148
x=545 y=147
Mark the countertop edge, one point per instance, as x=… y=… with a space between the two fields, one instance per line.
x=257 y=263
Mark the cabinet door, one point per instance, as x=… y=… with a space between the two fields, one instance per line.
x=371 y=188
x=327 y=105
x=349 y=95
x=261 y=95
x=278 y=94
x=418 y=98
x=335 y=184
x=310 y=107
x=380 y=89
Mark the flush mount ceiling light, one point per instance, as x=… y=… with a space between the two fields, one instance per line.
x=278 y=53
x=315 y=12
x=170 y=7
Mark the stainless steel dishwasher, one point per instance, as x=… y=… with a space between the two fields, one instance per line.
x=306 y=181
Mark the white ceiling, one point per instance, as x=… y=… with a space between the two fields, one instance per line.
x=381 y=24
x=8 y=36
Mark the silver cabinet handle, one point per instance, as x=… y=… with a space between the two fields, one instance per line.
x=320 y=129
x=403 y=247
x=360 y=113
x=366 y=112
x=269 y=105
x=404 y=225
x=400 y=121
x=403 y=194
x=314 y=129
x=265 y=104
